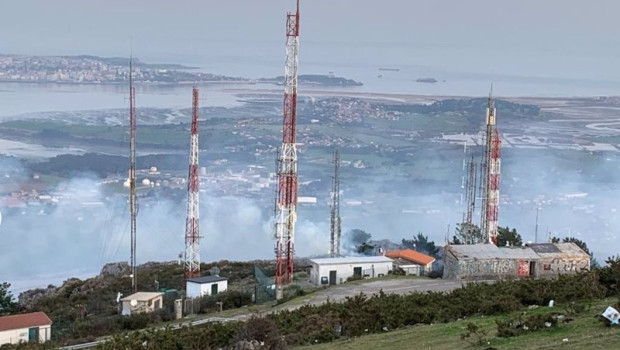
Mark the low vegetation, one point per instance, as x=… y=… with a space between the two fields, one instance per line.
x=503 y=301
x=579 y=331
x=512 y=306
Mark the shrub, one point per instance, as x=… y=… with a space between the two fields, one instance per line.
x=300 y=276
x=230 y=299
x=435 y=274
x=397 y=271
x=474 y=335
x=355 y=278
x=511 y=328
x=134 y=321
x=262 y=330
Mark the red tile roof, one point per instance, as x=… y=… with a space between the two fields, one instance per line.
x=24 y=321
x=411 y=255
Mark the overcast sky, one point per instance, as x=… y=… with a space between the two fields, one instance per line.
x=103 y=27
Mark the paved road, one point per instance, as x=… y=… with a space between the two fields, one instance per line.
x=389 y=286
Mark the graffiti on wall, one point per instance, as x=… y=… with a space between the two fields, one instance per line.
x=523 y=268
x=565 y=265
x=483 y=268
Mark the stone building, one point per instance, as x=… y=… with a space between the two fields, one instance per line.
x=489 y=262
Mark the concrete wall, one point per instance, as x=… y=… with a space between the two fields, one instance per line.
x=15 y=336
x=484 y=269
x=414 y=270
x=551 y=267
x=344 y=271
x=472 y=269
x=195 y=290
x=142 y=306
x=450 y=266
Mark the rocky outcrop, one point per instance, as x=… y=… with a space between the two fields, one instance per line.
x=28 y=298
x=115 y=269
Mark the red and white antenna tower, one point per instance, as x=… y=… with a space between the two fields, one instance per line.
x=491 y=167
x=192 y=231
x=133 y=205
x=286 y=198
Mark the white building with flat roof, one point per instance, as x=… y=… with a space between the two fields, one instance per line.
x=205 y=285
x=142 y=302
x=332 y=271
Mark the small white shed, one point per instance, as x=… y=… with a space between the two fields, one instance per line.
x=142 y=302
x=32 y=327
x=331 y=271
x=206 y=285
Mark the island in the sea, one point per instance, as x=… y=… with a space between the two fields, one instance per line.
x=316 y=79
x=426 y=80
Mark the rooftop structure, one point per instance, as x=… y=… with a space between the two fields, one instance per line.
x=411 y=255
x=411 y=261
x=350 y=260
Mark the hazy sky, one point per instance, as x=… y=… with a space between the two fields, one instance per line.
x=525 y=38
x=532 y=37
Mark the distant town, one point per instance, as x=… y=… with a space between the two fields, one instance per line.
x=86 y=69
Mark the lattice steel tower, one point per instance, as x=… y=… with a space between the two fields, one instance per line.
x=470 y=199
x=334 y=250
x=133 y=204
x=286 y=199
x=192 y=230
x=491 y=176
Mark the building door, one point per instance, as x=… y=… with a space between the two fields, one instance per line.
x=532 y=268
x=357 y=272
x=214 y=289
x=332 y=278
x=33 y=334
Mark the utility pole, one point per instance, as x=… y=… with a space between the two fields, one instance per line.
x=536 y=229
x=334 y=250
x=192 y=230
x=287 y=163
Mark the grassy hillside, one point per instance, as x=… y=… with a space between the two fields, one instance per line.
x=586 y=331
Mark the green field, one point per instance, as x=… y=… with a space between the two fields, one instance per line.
x=584 y=332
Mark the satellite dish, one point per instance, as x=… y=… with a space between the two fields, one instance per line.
x=215 y=271
x=133 y=302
